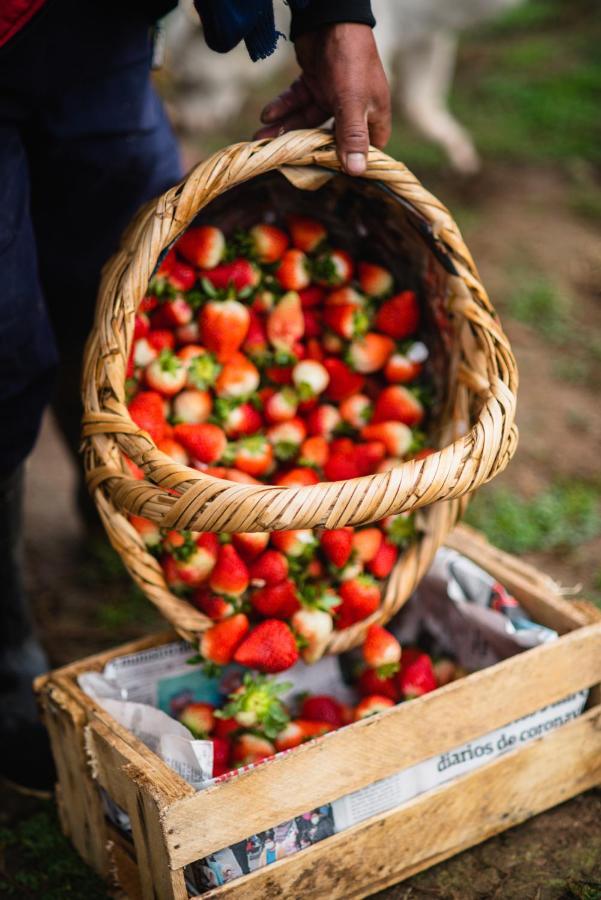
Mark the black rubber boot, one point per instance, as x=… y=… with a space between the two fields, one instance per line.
x=25 y=757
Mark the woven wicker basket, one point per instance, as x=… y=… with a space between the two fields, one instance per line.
x=474 y=368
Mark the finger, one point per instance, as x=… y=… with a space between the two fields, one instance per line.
x=352 y=136
x=309 y=117
x=379 y=124
x=293 y=98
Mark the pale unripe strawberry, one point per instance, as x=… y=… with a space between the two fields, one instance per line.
x=315 y=627
x=144 y=353
x=192 y=406
x=356 y=410
x=310 y=376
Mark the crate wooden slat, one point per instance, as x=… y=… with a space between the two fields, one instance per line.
x=174 y=826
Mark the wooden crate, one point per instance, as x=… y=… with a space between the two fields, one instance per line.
x=173 y=825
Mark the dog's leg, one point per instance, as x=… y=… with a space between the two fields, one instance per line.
x=426 y=69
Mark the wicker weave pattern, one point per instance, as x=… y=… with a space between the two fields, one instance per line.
x=178 y=497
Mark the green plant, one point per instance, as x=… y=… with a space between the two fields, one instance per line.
x=538 y=302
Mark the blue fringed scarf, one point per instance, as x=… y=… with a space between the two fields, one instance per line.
x=227 y=22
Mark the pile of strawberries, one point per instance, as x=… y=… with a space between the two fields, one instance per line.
x=254 y=723
x=274 y=357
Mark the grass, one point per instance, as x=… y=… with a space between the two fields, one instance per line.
x=559 y=518
x=538 y=302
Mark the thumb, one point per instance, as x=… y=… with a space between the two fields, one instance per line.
x=352 y=136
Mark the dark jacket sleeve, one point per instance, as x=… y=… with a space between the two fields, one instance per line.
x=327 y=12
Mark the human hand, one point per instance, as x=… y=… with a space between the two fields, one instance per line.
x=341 y=76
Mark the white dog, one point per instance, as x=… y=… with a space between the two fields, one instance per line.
x=417 y=40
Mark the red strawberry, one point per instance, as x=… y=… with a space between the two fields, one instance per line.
x=225 y=728
x=281 y=405
x=341 y=467
x=298 y=476
x=223 y=327
x=371 y=705
x=173 y=314
x=270 y=568
x=241 y=421
x=221 y=756
x=314 y=627
x=360 y=598
x=311 y=296
x=253 y=455
x=293 y=271
x=230 y=575
x=345 y=296
x=277 y=601
x=293 y=543
x=399 y=316
x=310 y=378
x=286 y=437
x=238 y=378
x=148 y=531
x=269 y=242
x=141 y=326
x=323 y=420
x=395 y=403
x=198 y=718
x=307 y=234
x=192 y=406
x=322 y=708
x=174 y=450
x=203 y=247
x=346 y=321
x=148 y=412
x=369 y=456
x=134 y=470
x=248 y=749
x=337 y=545
x=417 y=674
x=366 y=543
x=250 y=543
x=333 y=268
x=181 y=276
x=161 y=339
x=356 y=410
x=204 y=442
x=188 y=334
x=370 y=353
x=343 y=381
x=219 y=642
x=255 y=342
x=285 y=323
x=196 y=560
x=401 y=369
x=279 y=374
x=292 y=735
x=213 y=605
x=263 y=301
x=395 y=436
x=374 y=280
x=239 y=274
x=147 y=304
x=371 y=683
x=383 y=562
x=314 y=451
x=381 y=651
x=270 y=647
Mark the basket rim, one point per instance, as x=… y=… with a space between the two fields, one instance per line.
x=180 y=497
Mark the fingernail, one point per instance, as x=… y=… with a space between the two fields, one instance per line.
x=355 y=163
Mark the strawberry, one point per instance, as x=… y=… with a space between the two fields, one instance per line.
x=250 y=544
x=203 y=246
x=148 y=531
x=311 y=296
x=337 y=545
x=312 y=728
x=322 y=708
x=345 y=296
x=383 y=562
x=374 y=280
x=310 y=378
x=241 y=420
x=239 y=275
x=294 y=543
x=281 y=406
x=270 y=647
x=223 y=327
x=134 y=470
x=395 y=436
x=404 y=367
x=396 y=403
x=225 y=728
x=196 y=560
x=269 y=242
x=173 y=314
x=255 y=704
x=356 y=410
x=333 y=268
x=161 y=339
x=314 y=626
x=147 y=411
x=248 y=749
x=202 y=369
x=190 y=352
x=360 y=598
x=239 y=476
x=270 y=568
x=366 y=543
x=255 y=342
x=148 y=304
x=314 y=451
x=173 y=450
x=219 y=642
x=204 y=442
x=230 y=574
x=343 y=381
x=297 y=476
x=445 y=671
x=141 y=326
x=370 y=353
x=166 y=374
x=181 y=276
x=188 y=334
x=198 y=718
x=347 y=321
x=192 y=406
x=293 y=271
x=381 y=651
x=253 y=455
x=371 y=683
x=323 y=420
x=285 y=323
x=286 y=437
x=292 y=735
x=212 y=605
x=221 y=755
x=238 y=377
x=341 y=467
x=371 y=705
x=416 y=676
x=399 y=316
x=279 y=374
x=143 y=353
x=263 y=302
x=307 y=234
x=276 y=601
